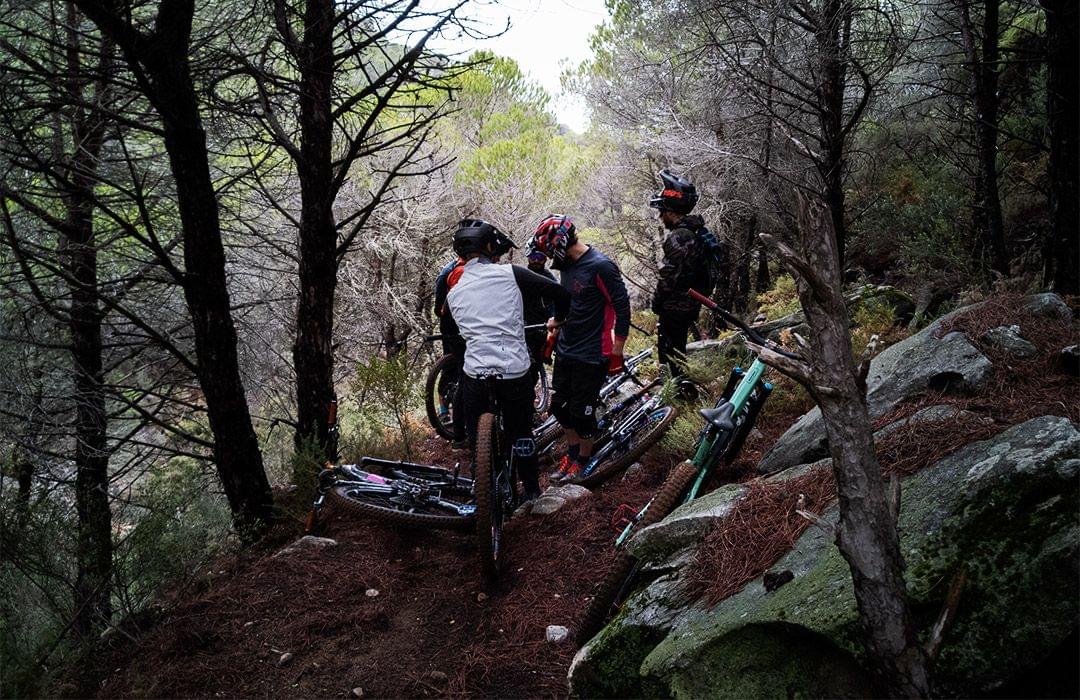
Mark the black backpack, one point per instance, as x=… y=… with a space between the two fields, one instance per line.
x=709 y=256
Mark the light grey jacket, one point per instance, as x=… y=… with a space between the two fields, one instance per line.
x=486 y=304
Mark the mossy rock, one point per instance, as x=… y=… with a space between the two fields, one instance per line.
x=775 y=660
x=1005 y=511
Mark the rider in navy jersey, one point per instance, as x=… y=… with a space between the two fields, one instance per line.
x=590 y=341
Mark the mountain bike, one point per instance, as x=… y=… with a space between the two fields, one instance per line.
x=402 y=493
x=726 y=426
x=495 y=483
x=440 y=389
x=627 y=431
x=545 y=434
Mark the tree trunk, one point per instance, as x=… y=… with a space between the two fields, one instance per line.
x=236 y=447
x=93 y=589
x=94 y=554
x=741 y=299
x=833 y=24
x=1061 y=253
x=867 y=535
x=762 y=280
x=987 y=220
x=313 y=348
x=163 y=57
x=24 y=475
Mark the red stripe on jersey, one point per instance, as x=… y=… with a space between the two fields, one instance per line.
x=609 y=319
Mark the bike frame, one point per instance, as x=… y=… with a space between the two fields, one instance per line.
x=746 y=398
x=352 y=475
x=642 y=403
x=712 y=441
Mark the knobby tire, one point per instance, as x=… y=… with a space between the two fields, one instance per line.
x=609 y=468
x=487 y=499
x=552 y=433
x=671 y=491
x=340 y=498
x=542 y=400
x=431 y=395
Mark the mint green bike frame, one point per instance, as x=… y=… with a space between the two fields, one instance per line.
x=706 y=453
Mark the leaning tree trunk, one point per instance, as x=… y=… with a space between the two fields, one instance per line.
x=313 y=346
x=1061 y=253
x=162 y=60
x=867 y=535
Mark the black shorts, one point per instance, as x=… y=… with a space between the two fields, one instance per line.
x=575 y=392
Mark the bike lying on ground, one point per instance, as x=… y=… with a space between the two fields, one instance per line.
x=726 y=426
x=402 y=493
x=628 y=430
x=549 y=431
x=440 y=389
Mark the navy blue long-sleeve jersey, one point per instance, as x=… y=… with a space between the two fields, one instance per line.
x=599 y=306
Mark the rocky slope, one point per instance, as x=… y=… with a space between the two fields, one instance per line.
x=996 y=520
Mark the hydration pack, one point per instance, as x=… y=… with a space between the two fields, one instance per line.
x=710 y=262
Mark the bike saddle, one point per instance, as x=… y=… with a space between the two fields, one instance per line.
x=720 y=416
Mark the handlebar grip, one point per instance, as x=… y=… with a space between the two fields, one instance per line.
x=698 y=296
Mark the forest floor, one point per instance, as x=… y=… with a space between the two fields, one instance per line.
x=433 y=629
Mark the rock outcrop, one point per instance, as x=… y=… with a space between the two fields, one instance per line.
x=902 y=371
x=1003 y=513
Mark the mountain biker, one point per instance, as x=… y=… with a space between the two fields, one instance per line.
x=691 y=256
x=590 y=341
x=538 y=309
x=452 y=342
x=486 y=304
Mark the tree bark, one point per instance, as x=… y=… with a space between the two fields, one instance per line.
x=313 y=347
x=1061 y=252
x=161 y=61
x=983 y=64
x=833 y=27
x=24 y=475
x=93 y=589
x=762 y=280
x=741 y=299
x=867 y=536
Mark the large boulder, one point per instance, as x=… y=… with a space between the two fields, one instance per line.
x=1004 y=511
x=685 y=525
x=717 y=350
x=908 y=369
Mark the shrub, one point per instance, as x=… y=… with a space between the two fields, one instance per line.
x=388 y=401
x=782 y=300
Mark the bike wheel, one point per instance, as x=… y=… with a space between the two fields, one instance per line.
x=617 y=582
x=548 y=434
x=489 y=506
x=648 y=430
x=542 y=401
x=403 y=511
x=439 y=395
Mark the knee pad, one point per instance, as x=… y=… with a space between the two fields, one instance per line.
x=584 y=422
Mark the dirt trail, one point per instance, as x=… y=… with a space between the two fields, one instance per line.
x=429 y=631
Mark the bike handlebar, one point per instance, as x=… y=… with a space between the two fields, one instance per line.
x=738 y=323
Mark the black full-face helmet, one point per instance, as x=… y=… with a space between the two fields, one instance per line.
x=678 y=194
x=478 y=236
